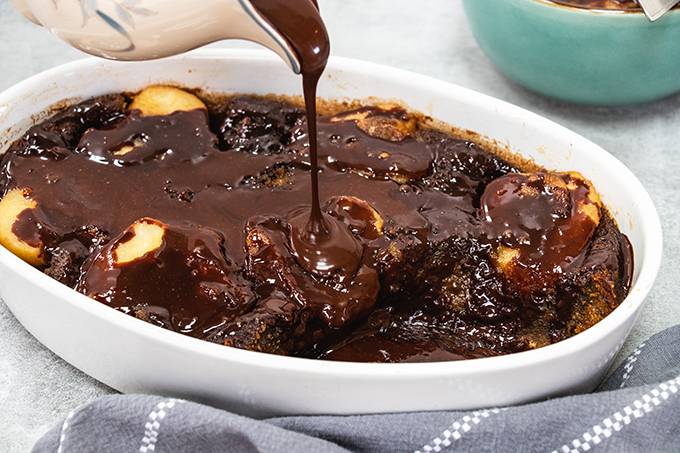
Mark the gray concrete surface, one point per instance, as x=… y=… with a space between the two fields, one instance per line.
x=37 y=388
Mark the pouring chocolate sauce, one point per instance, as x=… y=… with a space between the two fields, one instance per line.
x=287 y=27
x=322 y=243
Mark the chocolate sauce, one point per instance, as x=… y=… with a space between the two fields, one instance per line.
x=320 y=242
x=416 y=218
x=300 y=24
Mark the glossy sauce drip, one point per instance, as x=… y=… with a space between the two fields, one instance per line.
x=319 y=241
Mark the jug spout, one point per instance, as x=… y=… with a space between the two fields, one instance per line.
x=148 y=29
x=269 y=37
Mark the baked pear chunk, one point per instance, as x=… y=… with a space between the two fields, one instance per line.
x=543 y=222
x=362 y=218
x=175 y=275
x=159 y=100
x=369 y=142
x=384 y=121
x=19 y=233
x=553 y=250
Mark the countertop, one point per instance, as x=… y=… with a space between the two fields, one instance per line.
x=37 y=388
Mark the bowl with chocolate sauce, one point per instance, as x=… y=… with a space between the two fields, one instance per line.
x=158 y=233
x=597 y=52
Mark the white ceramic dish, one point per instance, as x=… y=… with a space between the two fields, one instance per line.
x=133 y=356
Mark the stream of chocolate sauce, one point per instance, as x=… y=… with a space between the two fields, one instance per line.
x=322 y=243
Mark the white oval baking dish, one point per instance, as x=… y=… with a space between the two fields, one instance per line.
x=133 y=356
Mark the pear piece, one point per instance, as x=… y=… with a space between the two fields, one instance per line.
x=158 y=100
x=146 y=236
x=12 y=205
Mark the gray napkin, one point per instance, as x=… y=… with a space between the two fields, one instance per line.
x=636 y=409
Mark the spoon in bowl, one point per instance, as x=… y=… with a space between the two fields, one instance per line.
x=654 y=9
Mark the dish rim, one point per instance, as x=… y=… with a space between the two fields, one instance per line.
x=649 y=263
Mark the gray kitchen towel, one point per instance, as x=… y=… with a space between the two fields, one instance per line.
x=636 y=409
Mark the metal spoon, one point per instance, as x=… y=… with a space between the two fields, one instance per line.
x=654 y=9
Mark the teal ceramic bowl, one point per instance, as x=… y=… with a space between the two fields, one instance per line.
x=578 y=55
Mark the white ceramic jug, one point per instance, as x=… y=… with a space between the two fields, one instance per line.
x=147 y=29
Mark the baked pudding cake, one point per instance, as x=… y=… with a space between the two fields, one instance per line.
x=179 y=208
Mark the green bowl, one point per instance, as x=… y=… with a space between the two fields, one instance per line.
x=578 y=55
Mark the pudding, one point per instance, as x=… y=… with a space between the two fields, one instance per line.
x=186 y=211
